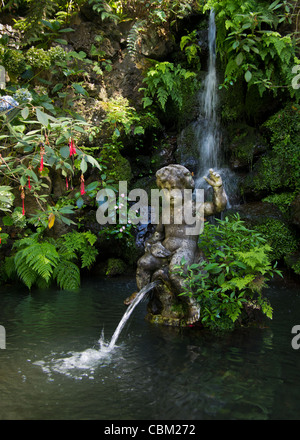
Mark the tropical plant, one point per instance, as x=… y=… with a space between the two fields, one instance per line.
x=235 y=269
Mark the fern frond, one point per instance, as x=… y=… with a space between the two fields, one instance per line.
x=67 y=275
x=88 y=257
x=133 y=37
x=42 y=258
x=27 y=275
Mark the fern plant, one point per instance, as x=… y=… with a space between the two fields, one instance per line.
x=40 y=261
x=166 y=81
x=233 y=273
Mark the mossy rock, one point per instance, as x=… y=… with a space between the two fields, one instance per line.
x=115 y=266
x=245 y=144
x=118 y=167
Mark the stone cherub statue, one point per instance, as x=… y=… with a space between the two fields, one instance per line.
x=166 y=248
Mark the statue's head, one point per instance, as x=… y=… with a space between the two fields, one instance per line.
x=174 y=176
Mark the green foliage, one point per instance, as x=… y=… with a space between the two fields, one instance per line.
x=117 y=167
x=104 y=10
x=235 y=268
x=283 y=201
x=165 y=81
x=121 y=118
x=13 y=61
x=42 y=261
x=159 y=12
x=280 y=168
x=6 y=198
x=251 y=45
x=190 y=46
x=280 y=237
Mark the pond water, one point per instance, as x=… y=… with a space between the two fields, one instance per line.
x=55 y=365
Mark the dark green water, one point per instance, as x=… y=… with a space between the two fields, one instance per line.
x=53 y=368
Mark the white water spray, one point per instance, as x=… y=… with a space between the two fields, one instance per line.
x=140 y=296
x=83 y=364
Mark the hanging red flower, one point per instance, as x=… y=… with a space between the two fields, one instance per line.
x=42 y=152
x=67 y=183
x=23 y=197
x=72 y=147
x=82 y=190
x=29 y=185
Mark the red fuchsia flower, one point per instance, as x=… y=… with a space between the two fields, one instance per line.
x=29 y=185
x=42 y=152
x=82 y=190
x=72 y=147
x=67 y=183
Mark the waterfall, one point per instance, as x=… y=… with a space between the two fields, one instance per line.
x=207 y=127
x=210 y=139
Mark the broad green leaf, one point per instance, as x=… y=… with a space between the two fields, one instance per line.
x=248 y=76
x=25 y=112
x=239 y=59
x=83 y=165
x=79 y=89
x=42 y=117
x=65 y=152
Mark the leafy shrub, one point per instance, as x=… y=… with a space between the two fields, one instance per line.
x=280 y=237
x=13 y=61
x=235 y=268
x=251 y=45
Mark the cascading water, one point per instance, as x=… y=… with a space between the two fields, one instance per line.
x=207 y=127
x=209 y=137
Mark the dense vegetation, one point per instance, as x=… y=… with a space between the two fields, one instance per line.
x=68 y=130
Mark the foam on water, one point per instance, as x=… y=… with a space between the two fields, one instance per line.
x=82 y=364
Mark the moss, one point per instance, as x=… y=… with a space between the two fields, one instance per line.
x=232 y=103
x=118 y=167
x=245 y=143
x=115 y=266
x=279 y=169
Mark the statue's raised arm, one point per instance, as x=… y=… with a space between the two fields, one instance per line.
x=219 y=195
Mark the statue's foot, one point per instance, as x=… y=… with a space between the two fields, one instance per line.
x=130 y=298
x=194 y=314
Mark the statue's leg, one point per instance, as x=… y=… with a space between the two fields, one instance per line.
x=146 y=265
x=178 y=282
